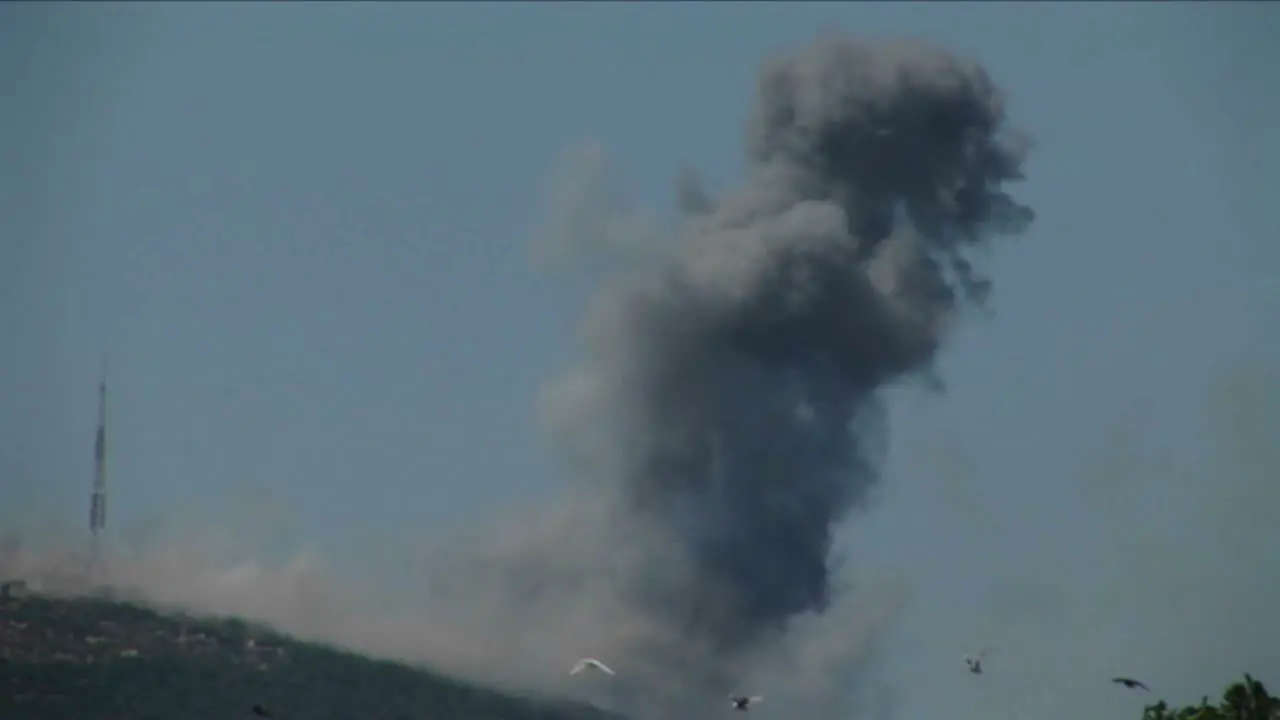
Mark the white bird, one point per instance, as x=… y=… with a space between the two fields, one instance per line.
x=975 y=661
x=740 y=702
x=592 y=663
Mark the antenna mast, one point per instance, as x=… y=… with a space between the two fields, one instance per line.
x=98 y=504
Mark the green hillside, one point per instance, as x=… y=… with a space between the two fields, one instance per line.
x=95 y=659
x=91 y=659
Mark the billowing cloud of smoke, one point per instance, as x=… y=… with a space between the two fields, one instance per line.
x=726 y=409
x=725 y=417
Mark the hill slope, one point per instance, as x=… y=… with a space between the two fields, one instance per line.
x=90 y=659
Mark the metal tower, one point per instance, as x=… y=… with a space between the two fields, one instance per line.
x=98 y=505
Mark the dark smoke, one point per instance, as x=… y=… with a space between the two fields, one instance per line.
x=729 y=398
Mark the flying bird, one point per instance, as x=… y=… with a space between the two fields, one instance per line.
x=1130 y=683
x=975 y=661
x=592 y=663
x=261 y=711
x=740 y=702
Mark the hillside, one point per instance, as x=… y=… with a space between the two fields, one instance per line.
x=91 y=659
x=95 y=659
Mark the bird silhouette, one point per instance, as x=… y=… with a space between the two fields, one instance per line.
x=975 y=661
x=1130 y=683
x=593 y=664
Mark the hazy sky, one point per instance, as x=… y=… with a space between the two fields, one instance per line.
x=302 y=237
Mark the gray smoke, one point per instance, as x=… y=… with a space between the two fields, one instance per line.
x=691 y=198
x=726 y=408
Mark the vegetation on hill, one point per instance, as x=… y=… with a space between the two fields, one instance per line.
x=1247 y=700
x=95 y=659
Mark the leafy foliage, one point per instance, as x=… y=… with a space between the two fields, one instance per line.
x=90 y=659
x=1248 y=700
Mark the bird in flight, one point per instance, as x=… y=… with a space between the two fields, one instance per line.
x=261 y=711
x=591 y=663
x=975 y=661
x=1130 y=683
x=740 y=702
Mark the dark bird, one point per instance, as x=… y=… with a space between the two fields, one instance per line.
x=1130 y=683
x=975 y=661
x=262 y=712
x=740 y=702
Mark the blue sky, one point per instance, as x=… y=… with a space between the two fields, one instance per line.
x=302 y=237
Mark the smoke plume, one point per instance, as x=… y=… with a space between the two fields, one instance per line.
x=725 y=411
x=724 y=417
